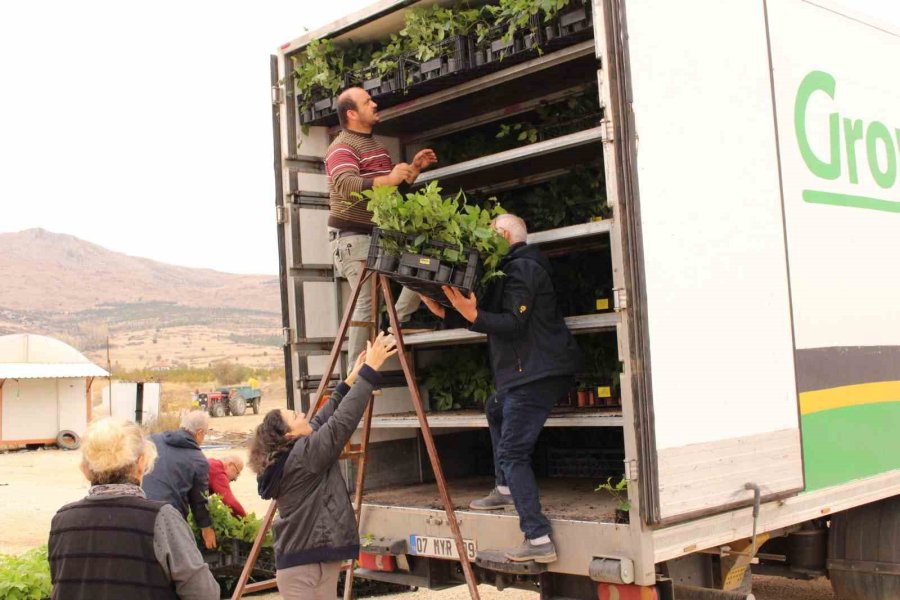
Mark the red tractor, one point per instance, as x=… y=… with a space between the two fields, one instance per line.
x=233 y=400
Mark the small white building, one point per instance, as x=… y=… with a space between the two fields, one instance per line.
x=45 y=389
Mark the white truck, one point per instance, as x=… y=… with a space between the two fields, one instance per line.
x=749 y=156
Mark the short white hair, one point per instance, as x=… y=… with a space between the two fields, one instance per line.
x=195 y=420
x=518 y=231
x=114 y=446
x=233 y=459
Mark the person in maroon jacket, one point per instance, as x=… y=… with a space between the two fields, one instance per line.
x=221 y=473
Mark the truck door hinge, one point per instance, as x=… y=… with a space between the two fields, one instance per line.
x=631 y=470
x=620 y=299
x=608 y=132
x=280 y=215
x=288 y=334
x=277 y=95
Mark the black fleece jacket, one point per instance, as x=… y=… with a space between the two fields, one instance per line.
x=527 y=335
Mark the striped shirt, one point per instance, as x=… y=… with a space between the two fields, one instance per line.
x=352 y=162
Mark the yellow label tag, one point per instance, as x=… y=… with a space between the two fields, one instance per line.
x=604 y=392
x=424 y=261
x=602 y=304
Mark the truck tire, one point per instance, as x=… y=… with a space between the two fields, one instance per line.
x=68 y=440
x=256 y=406
x=864 y=551
x=217 y=410
x=237 y=404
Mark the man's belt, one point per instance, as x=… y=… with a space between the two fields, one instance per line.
x=344 y=233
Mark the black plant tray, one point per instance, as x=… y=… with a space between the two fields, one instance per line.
x=451 y=62
x=493 y=53
x=572 y=25
x=230 y=556
x=390 y=84
x=423 y=272
x=583 y=462
x=324 y=105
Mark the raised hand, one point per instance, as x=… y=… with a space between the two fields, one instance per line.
x=424 y=159
x=384 y=347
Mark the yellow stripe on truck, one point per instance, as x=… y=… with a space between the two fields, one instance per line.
x=849 y=395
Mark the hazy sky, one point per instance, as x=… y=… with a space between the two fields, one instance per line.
x=146 y=128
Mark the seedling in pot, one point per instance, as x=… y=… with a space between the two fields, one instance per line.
x=619 y=492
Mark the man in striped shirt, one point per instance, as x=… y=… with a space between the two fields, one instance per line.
x=356 y=161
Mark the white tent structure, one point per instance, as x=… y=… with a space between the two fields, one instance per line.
x=45 y=389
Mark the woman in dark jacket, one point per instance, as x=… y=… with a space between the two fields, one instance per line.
x=296 y=462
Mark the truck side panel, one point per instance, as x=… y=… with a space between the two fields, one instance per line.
x=838 y=104
x=721 y=349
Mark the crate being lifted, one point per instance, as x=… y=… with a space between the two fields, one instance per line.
x=433 y=265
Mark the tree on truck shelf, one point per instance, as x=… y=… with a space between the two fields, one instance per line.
x=744 y=411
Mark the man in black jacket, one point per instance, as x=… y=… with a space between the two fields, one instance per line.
x=534 y=359
x=181 y=474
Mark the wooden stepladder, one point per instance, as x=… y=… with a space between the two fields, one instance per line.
x=382 y=284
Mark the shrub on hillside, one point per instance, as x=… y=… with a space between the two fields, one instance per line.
x=229 y=373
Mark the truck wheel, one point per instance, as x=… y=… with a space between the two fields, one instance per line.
x=217 y=410
x=864 y=551
x=238 y=405
x=256 y=406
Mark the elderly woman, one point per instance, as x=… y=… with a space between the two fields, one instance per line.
x=297 y=464
x=115 y=543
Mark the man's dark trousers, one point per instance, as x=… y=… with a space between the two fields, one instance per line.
x=515 y=419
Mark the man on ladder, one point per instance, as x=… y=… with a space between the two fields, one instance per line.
x=356 y=161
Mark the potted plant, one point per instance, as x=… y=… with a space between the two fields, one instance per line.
x=465 y=382
x=437 y=41
x=575 y=18
x=390 y=213
x=476 y=232
x=583 y=396
x=619 y=491
x=318 y=77
x=377 y=69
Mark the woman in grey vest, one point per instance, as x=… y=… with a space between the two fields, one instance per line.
x=117 y=544
x=297 y=464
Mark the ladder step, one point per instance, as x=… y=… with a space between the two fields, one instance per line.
x=368 y=324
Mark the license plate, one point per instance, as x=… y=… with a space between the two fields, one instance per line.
x=439 y=547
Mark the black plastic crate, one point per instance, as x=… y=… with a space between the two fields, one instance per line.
x=494 y=51
x=583 y=462
x=424 y=272
x=377 y=85
x=573 y=24
x=451 y=58
x=324 y=105
x=230 y=557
